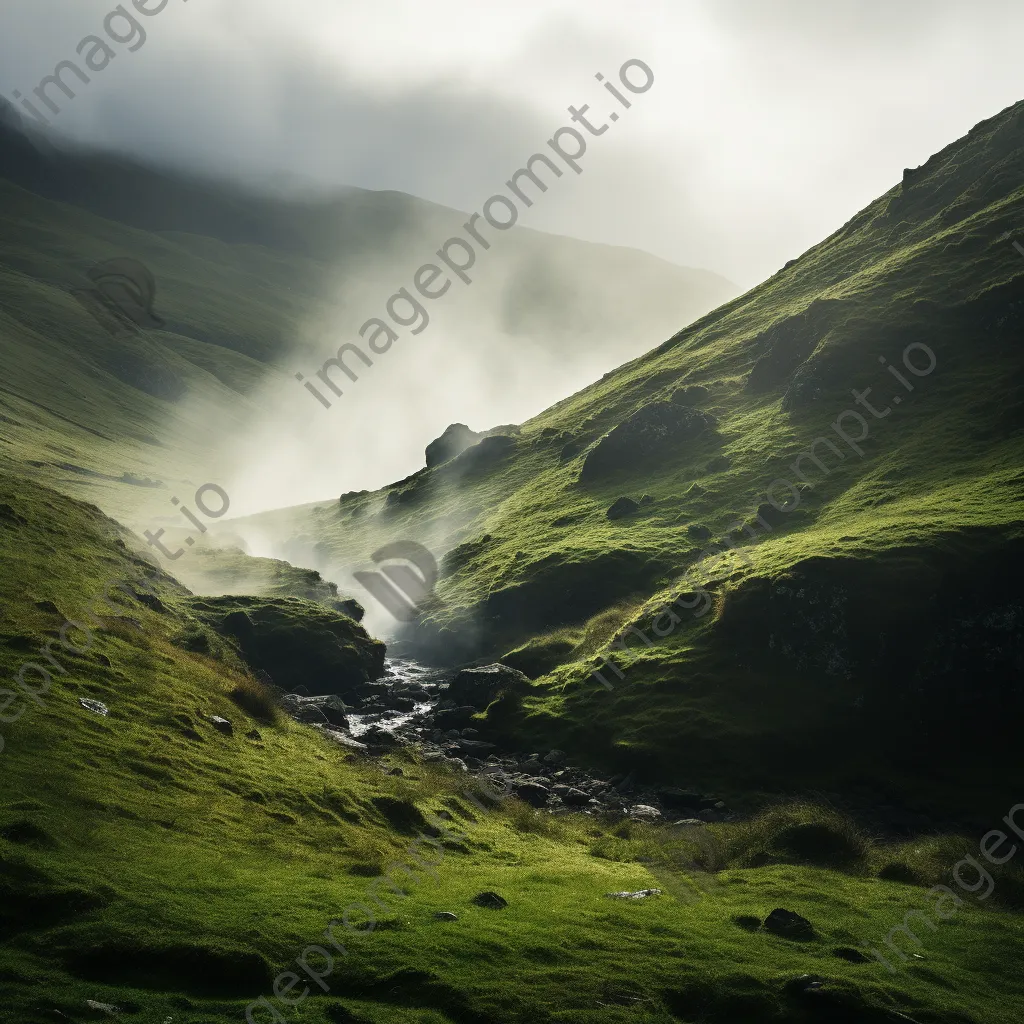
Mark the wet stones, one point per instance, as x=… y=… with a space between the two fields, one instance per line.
x=480 y=686
x=533 y=793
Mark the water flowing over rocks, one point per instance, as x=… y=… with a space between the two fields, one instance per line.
x=433 y=709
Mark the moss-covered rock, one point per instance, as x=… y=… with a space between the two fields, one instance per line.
x=298 y=643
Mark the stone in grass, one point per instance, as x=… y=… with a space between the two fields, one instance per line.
x=788 y=924
x=445 y=915
x=621 y=508
x=110 y=1011
x=490 y=900
x=641 y=894
x=804 y=983
x=95 y=706
x=644 y=812
x=222 y=725
x=698 y=532
x=854 y=956
x=572 y=796
x=533 y=793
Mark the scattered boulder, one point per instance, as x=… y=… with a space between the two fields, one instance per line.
x=655 y=432
x=456 y=438
x=95 y=706
x=222 y=725
x=572 y=796
x=644 y=812
x=621 y=508
x=533 y=793
x=311 y=715
x=445 y=915
x=110 y=1011
x=788 y=924
x=481 y=686
x=698 y=532
x=322 y=710
x=490 y=900
x=641 y=894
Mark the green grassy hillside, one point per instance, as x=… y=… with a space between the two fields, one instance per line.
x=865 y=634
x=151 y=862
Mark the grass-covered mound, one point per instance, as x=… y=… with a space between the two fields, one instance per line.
x=817 y=580
x=152 y=861
x=296 y=642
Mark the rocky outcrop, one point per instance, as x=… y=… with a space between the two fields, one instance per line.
x=480 y=686
x=621 y=508
x=454 y=441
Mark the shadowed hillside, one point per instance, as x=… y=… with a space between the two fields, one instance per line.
x=814 y=573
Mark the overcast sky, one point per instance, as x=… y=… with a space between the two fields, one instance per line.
x=770 y=123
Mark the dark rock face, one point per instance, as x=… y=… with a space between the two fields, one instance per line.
x=621 y=508
x=481 y=686
x=454 y=441
x=654 y=433
x=789 y=925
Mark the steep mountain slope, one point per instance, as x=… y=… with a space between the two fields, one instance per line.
x=853 y=428
x=252 y=289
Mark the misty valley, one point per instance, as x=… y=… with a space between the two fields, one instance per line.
x=629 y=645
